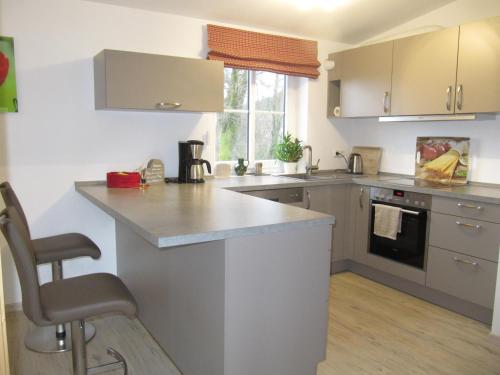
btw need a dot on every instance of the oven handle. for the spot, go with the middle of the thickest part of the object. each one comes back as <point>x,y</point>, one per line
<point>416,213</point>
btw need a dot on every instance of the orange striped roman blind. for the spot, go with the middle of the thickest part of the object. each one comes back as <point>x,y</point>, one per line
<point>256,51</point>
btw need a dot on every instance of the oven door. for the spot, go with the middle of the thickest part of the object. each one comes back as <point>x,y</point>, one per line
<point>410,245</point>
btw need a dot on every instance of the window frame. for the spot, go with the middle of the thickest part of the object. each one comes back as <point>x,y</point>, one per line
<point>251,112</point>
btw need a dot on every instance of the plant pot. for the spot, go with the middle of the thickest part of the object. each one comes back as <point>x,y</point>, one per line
<point>290,168</point>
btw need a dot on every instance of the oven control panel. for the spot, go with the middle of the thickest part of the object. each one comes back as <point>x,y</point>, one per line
<point>402,197</point>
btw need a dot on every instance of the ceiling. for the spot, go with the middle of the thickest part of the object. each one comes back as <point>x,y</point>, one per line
<point>346,21</point>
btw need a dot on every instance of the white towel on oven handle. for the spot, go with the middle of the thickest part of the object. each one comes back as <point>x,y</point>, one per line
<point>388,221</point>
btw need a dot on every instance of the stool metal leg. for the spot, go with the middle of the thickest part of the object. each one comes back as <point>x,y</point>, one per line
<point>57,274</point>
<point>44,340</point>
<point>79,351</point>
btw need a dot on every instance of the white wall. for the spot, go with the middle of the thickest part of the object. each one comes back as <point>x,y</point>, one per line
<point>58,137</point>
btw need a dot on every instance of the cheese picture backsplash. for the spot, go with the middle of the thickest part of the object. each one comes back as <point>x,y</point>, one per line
<point>442,159</point>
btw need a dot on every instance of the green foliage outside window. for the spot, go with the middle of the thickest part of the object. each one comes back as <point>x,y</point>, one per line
<point>266,110</point>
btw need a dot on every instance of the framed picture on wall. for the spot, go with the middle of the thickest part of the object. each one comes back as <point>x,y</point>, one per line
<point>443,159</point>
<point>8,89</point>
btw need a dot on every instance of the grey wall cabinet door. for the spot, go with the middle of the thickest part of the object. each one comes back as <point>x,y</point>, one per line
<point>365,82</point>
<point>330,199</point>
<point>478,74</point>
<point>424,73</point>
<point>140,81</point>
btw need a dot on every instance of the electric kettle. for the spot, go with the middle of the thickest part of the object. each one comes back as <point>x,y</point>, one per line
<point>355,164</point>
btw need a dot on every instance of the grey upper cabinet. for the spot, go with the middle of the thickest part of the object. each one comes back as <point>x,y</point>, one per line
<point>140,81</point>
<point>478,73</point>
<point>365,80</point>
<point>424,73</point>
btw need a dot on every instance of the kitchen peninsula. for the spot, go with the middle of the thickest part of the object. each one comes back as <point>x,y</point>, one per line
<point>226,283</point>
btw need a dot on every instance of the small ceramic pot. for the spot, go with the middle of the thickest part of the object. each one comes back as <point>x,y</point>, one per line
<point>290,168</point>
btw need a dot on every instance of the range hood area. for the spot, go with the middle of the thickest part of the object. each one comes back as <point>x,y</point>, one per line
<point>428,118</point>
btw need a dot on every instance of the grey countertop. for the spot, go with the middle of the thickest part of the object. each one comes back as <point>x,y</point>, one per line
<point>487,193</point>
<point>178,214</point>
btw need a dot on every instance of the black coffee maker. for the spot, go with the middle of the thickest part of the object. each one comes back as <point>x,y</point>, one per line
<point>191,163</point>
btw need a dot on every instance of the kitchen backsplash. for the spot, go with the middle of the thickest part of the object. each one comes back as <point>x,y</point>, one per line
<point>398,142</point>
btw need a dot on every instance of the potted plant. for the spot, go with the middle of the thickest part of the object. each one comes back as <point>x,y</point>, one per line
<point>289,151</point>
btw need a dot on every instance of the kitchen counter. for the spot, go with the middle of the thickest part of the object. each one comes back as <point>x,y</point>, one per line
<point>226,283</point>
<point>180,214</point>
<point>487,193</point>
<point>247,277</point>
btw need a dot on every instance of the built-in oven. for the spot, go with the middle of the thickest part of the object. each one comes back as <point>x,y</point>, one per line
<point>410,245</point>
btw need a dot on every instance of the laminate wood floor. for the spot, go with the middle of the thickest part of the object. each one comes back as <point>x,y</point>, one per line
<point>373,330</point>
<point>129,337</point>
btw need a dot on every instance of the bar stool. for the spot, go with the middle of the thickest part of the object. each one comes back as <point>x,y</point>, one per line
<point>68,300</point>
<point>54,250</point>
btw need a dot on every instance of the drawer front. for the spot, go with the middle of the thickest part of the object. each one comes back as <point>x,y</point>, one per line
<point>466,208</point>
<point>472,237</point>
<point>462,276</point>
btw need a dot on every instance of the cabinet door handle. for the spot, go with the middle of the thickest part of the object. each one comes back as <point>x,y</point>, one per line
<point>168,105</point>
<point>470,226</point>
<point>464,205</point>
<point>460,97</point>
<point>308,196</point>
<point>385,102</point>
<point>361,192</point>
<point>458,260</point>
<point>448,98</point>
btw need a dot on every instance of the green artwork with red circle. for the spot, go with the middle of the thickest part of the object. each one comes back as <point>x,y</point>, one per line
<point>8,91</point>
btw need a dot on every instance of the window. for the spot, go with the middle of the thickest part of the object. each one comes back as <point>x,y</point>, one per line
<point>254,115</point>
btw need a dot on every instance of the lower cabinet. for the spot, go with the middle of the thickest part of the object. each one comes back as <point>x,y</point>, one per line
<point>469,278</point>
<point>358,223</point>
<point>468,236</point>
<point>330,199</point>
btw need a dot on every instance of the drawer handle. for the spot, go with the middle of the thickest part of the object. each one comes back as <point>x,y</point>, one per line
<point>471,226</point>
<point>167,105</point>
<point>456,259</point>
<point>463,205</point>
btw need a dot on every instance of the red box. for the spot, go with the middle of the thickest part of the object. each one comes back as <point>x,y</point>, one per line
<point>123,179</point>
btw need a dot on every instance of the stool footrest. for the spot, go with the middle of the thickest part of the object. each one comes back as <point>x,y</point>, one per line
<point>119,363</point>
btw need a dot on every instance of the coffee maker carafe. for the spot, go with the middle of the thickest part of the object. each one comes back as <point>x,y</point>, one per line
<point>191,163</point>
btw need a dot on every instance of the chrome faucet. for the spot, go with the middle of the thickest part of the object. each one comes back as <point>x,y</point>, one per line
<point>309,165</point>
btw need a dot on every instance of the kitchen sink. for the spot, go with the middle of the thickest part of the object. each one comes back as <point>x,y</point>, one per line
<point>323,175</point>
